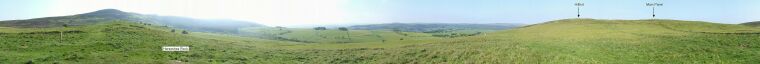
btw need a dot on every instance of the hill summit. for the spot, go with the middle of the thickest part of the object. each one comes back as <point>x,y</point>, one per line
<point>107,11</point>
<point>753,24</point>
<point>107,15</point>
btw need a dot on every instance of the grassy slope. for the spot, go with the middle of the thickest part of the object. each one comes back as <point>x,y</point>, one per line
<point>634,41</point>
<point>752,24</point>
<point>568,41</point>
<point>121,41</point>
<point>561,41</point>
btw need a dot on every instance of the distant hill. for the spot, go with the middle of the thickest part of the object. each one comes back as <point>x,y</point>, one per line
<point>427,27</point>
<point>440,29</point>
<point>753,24</point>
<point>202,25</point>
<point>307,35</point>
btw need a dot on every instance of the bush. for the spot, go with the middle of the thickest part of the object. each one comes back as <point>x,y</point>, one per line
<point>320,28</point>
<point>184,32</point>
<point>29,62</point>
<point>343,29</point>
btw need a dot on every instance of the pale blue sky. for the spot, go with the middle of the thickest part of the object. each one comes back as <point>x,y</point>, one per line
<point>332,12</point>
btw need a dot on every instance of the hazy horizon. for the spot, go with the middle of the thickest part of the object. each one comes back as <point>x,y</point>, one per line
<point>294,13</point>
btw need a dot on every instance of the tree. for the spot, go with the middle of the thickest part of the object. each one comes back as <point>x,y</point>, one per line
<point>172,30</point>
<point>279,27</point>
<point>347,33</point>
<point>318,29</point>
<point>29,62</point>
<point>184,32</point>
<point>342,28</point>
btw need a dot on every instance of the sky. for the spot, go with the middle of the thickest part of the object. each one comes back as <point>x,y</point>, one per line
<point>347,12</point>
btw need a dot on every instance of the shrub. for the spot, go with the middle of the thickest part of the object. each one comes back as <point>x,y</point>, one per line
<point>184,32</point>
<point>320,28</point>
<point>29,62</point>
<point>343,29</point>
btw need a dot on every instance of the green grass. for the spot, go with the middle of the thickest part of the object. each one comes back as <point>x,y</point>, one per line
<point>581,41</point>
<point>333,35</point>
<point>636,41</point>
<point>121,42</point>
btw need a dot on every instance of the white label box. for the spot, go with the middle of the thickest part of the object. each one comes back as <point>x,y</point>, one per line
<point>175,48</point>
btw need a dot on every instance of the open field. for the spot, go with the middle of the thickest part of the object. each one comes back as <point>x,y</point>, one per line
<point>333,35</point>
<point>586,41</point>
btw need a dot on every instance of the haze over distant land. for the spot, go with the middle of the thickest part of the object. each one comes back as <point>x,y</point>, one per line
<point>341,12</point>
